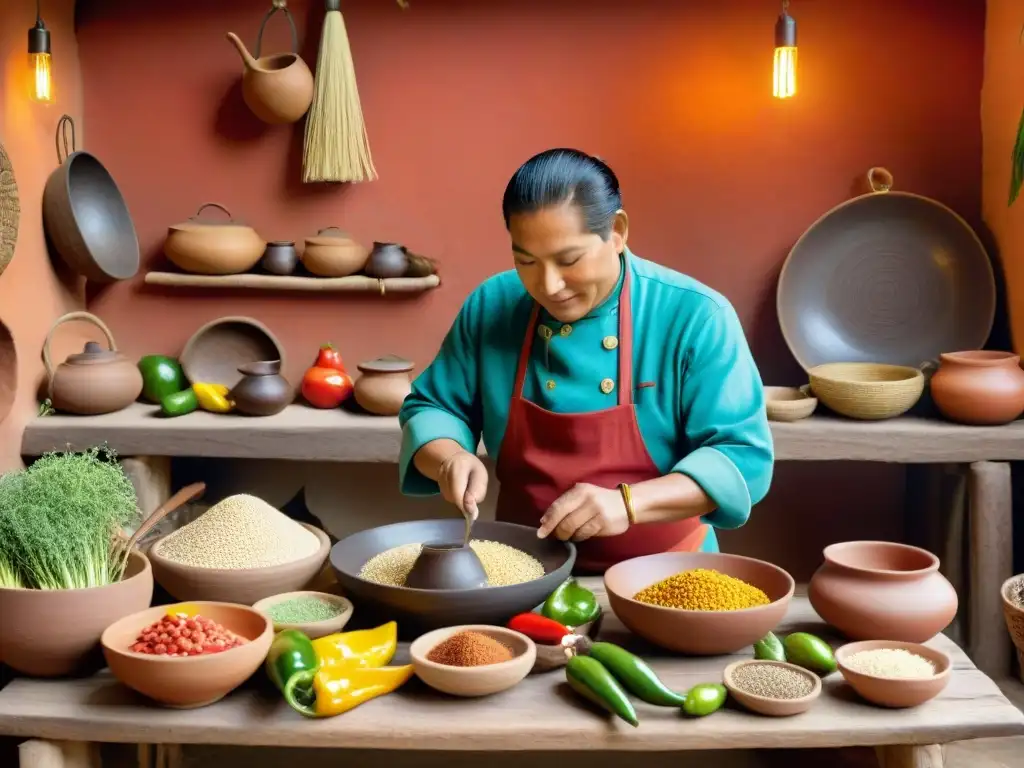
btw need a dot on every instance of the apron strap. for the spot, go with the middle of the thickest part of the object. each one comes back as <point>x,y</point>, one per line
<point>524,353</point>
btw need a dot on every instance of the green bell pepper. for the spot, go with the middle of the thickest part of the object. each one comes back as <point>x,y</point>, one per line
<point>161,376</point>
<point>291,652</point>
<point>571,604</point>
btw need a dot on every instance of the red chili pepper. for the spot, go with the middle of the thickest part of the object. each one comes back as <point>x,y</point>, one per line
<point>539,628</point>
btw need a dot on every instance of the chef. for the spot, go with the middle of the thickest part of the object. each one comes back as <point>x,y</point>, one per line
<point>619,397</point>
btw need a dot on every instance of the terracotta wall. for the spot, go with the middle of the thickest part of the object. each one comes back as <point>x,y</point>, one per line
<point>719,178</point>
<point>34,290</point>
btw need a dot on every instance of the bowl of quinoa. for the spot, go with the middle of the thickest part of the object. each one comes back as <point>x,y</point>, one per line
<point>894,674</point>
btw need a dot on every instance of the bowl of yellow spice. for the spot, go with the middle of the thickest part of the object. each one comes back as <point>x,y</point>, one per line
<point>699,603</point>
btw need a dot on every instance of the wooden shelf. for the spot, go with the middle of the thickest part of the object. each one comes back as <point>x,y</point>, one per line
<point>257,282</point>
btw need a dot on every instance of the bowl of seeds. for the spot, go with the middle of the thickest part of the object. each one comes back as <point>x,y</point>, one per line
<point>894,674</point>
<point>315,614</point>
<point>773,688</point>
<point>522,570</point>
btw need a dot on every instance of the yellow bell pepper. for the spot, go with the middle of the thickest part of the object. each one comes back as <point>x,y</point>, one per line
<point>366,648</point>
<point>338,689</point>
<point>212,397</point>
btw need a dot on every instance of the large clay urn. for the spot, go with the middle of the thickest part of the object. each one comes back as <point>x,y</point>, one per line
<point>979,387</point>
<point>881,590</point>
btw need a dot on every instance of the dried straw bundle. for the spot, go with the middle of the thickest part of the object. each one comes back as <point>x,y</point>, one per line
<point>336,145</point>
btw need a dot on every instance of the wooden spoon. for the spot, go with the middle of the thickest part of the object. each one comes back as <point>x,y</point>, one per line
<point>185,495</point>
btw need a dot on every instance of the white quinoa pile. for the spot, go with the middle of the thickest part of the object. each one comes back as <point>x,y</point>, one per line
<point>242,531</point>
<point>892,663</point>
<point>503,564</point>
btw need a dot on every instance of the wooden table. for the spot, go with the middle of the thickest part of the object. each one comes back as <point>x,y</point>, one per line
<point>305,434</point>
<point>541,714</point>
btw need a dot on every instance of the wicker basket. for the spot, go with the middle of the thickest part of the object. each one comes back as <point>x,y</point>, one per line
<point>789,403</point>
<point>1014,619</point>
<point>867,390</point>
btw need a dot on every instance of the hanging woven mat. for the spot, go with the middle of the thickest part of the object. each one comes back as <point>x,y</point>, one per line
<point>10,210</point>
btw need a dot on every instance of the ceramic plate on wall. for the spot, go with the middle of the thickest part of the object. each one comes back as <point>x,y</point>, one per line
<point>10,210</point>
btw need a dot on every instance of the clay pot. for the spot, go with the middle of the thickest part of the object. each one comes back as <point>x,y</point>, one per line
<point>94,381</point>
<point>216,351</point>
<point>332,253</point>
<point>263,391</point>
<point>447,566</point>
<point>280,258</point>
<point>881,590</point>
<point>387,260</point>
<point>209,247</point>
<point>979,387</point>
<point>383,385</point>
<point>28,642</point>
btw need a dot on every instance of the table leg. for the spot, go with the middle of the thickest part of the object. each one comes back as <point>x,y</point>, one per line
<point>991,563</point>
<point>58,754</point>
<point>909,756</point>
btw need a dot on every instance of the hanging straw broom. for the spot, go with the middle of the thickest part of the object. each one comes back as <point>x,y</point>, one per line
<point>336,146</point>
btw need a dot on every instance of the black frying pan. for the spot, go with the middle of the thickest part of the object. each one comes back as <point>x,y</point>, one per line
<point>85,216</point>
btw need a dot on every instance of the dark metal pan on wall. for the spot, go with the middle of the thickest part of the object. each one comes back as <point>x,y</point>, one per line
<point>85,215</point>
<point>887,277</point>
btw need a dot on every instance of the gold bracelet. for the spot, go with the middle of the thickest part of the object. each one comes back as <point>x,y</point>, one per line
<point>627,499</point>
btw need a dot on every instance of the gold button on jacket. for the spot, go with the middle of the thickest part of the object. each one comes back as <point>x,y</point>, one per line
<point>609,342</point>
<point>607,385</point>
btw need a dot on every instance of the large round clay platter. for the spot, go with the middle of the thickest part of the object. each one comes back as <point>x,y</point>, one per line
<point>10,210</point>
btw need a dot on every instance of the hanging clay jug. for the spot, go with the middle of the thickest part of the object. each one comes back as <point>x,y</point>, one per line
<point>263,391</point>
<point>882,590</point>
<point>383,385</point>
<point>979,387</point>
<point>95,380</point>
<point>278,88</point>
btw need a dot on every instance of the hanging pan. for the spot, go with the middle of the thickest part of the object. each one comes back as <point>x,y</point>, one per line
<point>85,216</point>
<point>887,277</point>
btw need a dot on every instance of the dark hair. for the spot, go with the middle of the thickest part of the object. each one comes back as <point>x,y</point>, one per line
<point>560,176</point>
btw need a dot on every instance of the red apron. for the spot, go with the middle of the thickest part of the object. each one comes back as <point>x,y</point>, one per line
<point>544,454</point>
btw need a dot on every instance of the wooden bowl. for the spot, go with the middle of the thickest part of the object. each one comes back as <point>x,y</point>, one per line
<point>312,629</point>
<point>187,682</point>
<point>766,706</point>
<point>700,633</point>
<point>28,642</point>
<point>896,693</point>
<point>473,681</point>
<point>237,585</point>
<point>215,352</point>
<point>869,391</point>
<point>789,403</point>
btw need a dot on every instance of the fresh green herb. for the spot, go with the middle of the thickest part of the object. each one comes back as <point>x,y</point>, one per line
<point>61,522</point>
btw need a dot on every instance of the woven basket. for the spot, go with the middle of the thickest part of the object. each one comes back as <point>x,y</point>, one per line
<point>789,403</point>
<point>867,390</point>
<point>1014,619</point>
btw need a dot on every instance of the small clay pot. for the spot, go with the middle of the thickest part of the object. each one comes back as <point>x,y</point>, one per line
<point>881,590</point>
<point>447,566</point>
<point>387,260</point>
<point>383,385</point>
<point>263,391</point>
<point>332,253</point>
<point>280,257</point>
<point>979,387</point>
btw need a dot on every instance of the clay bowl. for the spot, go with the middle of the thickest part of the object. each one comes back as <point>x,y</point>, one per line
<point>447,566</point>
<point>216,351</point>
<point>312,629</point>
<point>1014,616</point>
<point>767,706</point>
<point>28,642</point>
<point>700,633</point>
<point>187,682</point>
<point>473,681</point>
<point>237,585</point>
<point>421,610</point>
<point>897,693</point>
<point>789,403</point>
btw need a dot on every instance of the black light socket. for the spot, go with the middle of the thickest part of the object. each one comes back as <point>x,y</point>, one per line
<point>785,31</point>
<point>39,38</point>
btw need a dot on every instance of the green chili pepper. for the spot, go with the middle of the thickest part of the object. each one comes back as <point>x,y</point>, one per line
<point>769,648</point>
<point>292,652</point>
<point>180,403</point>
<point>592,681</point>
<point>635,675</point>
<point>571,604</point>
<point>704,699</point>
<point>161,376</point>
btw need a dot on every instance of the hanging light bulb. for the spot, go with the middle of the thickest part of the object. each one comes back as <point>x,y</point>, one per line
<point>784,69</point>
<point>39,61</point>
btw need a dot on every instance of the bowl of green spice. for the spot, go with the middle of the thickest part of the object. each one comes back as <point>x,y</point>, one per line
<point>315,614</point>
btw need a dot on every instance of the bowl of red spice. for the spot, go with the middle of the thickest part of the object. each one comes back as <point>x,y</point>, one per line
<point>190,654</point>
<point>472,659</point>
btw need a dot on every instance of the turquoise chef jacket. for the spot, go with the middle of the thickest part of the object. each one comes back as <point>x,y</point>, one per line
<point>698,397</point>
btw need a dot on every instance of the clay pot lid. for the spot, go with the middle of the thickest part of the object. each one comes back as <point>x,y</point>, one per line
<point>92,354</point>
<point>330,236</point>
<point>261,368</point>
<point>281,243</point>
<point>200,220</point>
<point>386,364</point>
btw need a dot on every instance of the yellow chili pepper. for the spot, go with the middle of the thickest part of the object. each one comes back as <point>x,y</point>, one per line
<point>341,688</point>
<point>212,397</point>
<point>361,648</point>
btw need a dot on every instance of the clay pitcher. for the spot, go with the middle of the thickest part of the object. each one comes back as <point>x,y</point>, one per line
<point>95,380</point>
<point>277,88</point>
<point>263,391</point>
<point>979,387</point>
<point>882,590</point>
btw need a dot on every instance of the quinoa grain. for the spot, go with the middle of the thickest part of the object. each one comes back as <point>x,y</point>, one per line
<point>503,564</point>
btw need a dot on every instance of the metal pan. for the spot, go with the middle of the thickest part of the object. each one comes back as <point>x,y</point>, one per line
<point>85,216</point>
<point>887,277</point>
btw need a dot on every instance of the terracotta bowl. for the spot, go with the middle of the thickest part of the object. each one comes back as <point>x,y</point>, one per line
<point>216,351</point>
<point>187,682</point>
<point>51,633</point>
<point>237,585</point>
<point>789,403</point>
<point>473,681</point>
<point>766,706</point>
<point>892,692</point>
<point>700,633</point>
<point>312,629</point>
<point>1014,617</point>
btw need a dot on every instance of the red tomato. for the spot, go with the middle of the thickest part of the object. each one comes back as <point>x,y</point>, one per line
<point>329,357</point>
<point>326,387</point>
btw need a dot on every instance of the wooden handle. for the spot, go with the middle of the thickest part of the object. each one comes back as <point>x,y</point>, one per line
<point>328,229</point>
<point>277,5</point>
<point>183,496</point>
<point>79,315</point>
<point>212,205</point>
<point>880,179</point>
